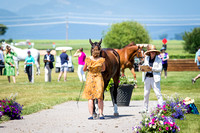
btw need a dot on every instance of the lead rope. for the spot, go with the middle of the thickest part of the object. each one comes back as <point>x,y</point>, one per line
<point>81,91</point>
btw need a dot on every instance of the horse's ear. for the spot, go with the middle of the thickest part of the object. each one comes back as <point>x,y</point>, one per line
<point>90,41</point>
<point>139,47</point>
<point>100,42</point>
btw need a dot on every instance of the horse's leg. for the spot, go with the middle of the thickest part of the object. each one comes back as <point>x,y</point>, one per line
<point>134,75</point>
<point>116,84</point>
<point>38,67</point>
<point>95,107</point>
<point>17,66</point>
<point>123,70</point>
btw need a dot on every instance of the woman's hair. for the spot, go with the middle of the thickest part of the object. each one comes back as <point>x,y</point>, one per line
<point>7,49</point>
<point>63,50</point>
<point>81,49</point>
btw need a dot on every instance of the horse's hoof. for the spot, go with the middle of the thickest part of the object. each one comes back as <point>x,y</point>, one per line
<point>116,114</point>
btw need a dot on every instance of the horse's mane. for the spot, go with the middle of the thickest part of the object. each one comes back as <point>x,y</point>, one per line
<point>130,44</point>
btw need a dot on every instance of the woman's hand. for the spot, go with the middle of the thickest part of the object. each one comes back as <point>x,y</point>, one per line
<point>103,67</point>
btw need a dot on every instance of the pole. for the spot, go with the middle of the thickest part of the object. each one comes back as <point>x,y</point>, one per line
<point>67,30</point>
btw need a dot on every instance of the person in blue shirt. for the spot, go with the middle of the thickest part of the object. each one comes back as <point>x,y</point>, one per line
<point>198,64</point>
<point>29,61</point>
<point>64,65</point>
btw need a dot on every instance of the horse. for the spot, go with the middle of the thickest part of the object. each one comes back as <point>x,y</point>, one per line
<point>127,55</point>
<point>112,63</point>
<point>22,54</point>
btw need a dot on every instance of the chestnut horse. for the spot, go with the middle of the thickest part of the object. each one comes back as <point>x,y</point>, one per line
<point>112,63</point>
<point>127,55</point>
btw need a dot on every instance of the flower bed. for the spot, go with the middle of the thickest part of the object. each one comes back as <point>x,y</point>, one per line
<point>11,109</point>
<point>162,118</point>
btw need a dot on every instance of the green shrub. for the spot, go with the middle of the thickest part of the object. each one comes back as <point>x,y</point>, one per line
<point>192,40</point>
<point>121,34</point>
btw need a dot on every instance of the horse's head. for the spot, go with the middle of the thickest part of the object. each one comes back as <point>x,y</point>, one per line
<point>95,47</point>
<point>140,53</point>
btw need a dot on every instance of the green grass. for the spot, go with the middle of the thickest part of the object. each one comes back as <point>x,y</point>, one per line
<point>41,95</point>
<point>173,46</point>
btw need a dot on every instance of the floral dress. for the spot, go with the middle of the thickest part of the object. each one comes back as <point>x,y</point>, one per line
<point>94,86</point>
<point>9,70</point>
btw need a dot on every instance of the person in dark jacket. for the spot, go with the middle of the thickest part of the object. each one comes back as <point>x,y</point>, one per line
<point>48,60</point>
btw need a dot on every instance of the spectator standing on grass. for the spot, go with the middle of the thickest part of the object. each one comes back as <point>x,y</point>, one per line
<point>1,60</point>
<point>197,60</point>
<point>29,61</point>
<point>152,76</point>
<point>64,65</point>
<point>9,64</point>
<point>81,62</point>
<point>48,65</point>
<point>94,86</point>
<point>164,56</point>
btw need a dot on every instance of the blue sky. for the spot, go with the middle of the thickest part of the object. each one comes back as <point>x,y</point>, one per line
<point>37,16</point>
<point>134,7</point>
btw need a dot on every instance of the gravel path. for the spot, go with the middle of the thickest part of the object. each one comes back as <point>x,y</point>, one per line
<point>68,118</point>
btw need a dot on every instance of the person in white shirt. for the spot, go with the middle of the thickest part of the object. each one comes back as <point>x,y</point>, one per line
<point>152,76</point>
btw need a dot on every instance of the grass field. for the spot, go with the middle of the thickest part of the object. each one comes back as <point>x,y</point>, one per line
<point>41,95</point>
<point>173,46</point>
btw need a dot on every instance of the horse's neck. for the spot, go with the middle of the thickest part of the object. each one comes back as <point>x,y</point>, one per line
<point>132,53</point>
<point>17,50</point>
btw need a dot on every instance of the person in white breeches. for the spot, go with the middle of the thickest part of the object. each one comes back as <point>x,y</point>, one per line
<point>48,60</point>
<point>81,62</point>
<point>152,76</point>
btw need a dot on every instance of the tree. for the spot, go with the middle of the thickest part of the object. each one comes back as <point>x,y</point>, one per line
<point>121,34</point>
<point>3,29</point>
<point>192,40</point>
<point>163,36</point>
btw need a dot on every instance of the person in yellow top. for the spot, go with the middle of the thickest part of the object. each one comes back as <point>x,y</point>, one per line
<point>94,87</point>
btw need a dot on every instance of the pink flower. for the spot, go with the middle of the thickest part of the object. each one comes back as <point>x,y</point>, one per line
<point>159,129</point>
<point>153,119</point>
<point>162,116</point>
<point>167,128</point>
<point>164,106</point>
<point>171,125</point>
<point>119,81</point>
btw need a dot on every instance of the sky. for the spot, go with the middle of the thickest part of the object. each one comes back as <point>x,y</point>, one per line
<point>159,16</point>
<point>141,7</point>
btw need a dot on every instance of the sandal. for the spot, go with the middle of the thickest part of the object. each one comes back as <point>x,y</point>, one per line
<point>90,118</point>
<point>101,117</point>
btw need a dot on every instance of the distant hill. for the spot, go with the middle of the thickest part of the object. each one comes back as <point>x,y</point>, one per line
<point>6,13</point>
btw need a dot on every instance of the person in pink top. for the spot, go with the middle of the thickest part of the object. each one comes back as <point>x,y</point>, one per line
<point>81,62</point>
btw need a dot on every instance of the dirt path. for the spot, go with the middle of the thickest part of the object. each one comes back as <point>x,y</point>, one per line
<point>68,118</point>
